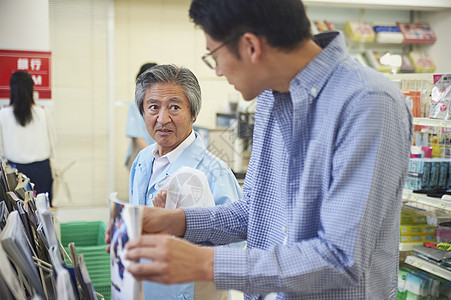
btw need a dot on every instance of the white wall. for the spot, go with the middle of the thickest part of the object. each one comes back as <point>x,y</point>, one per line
<point>24,25</point>
<point>78,40</point>
<point>440,51</point>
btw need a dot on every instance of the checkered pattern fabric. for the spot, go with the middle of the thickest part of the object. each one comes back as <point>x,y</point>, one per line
<point>322,196</point>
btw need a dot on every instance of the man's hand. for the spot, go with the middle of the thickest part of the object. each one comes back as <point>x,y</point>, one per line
<point>160,220</point>
<point>173,260</point>
<point>160,199</point>
<point>157,220</point>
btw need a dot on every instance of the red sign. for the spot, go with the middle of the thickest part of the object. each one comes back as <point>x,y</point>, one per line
<point>36,63</point>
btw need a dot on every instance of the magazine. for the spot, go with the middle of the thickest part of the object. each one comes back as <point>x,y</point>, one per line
<point>16,246</point>
<point>126,223</point>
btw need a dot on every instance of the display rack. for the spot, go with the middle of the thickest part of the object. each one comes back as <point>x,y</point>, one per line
<point>428,267</point>
<point>413,81</point>
<point>403,247</point>
<point>429,201</point>
<point>431,122</point>
<point>420,5</point>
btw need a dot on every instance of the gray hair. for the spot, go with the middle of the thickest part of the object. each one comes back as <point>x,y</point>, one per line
<point>180,76</point>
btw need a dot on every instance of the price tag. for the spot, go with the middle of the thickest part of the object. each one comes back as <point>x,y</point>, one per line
<point>417,264</point>
<point>443,205</point>
<point>443,124</point>
<point>416,121</point>
<point>413,262</point>
<point>414,198</point>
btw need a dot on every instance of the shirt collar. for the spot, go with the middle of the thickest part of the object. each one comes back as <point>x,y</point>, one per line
<point>315,75</point>
<point>172,156</point>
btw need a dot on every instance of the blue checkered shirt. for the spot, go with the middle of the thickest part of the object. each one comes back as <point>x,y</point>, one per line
<point>322,196</point>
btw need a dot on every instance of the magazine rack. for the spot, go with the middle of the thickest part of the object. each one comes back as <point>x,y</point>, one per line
<point>31,252</point>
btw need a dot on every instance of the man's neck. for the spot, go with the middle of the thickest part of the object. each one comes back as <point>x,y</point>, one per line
<point>285,66</point>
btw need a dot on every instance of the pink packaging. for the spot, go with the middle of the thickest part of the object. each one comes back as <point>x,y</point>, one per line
<point>443,235</point>
<point>427,151</point>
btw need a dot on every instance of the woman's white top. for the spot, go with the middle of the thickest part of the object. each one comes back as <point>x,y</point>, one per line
<point>27,144</point>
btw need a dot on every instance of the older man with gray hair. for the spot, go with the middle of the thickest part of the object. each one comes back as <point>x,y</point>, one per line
<point>169,99</point>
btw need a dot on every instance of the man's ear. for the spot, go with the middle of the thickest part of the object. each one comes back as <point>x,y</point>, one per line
<point>252,45</point>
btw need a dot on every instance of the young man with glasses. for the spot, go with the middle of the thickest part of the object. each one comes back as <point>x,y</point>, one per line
<point>322,196</point>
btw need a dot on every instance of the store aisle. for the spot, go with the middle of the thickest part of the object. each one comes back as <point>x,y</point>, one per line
<point>98,213</point>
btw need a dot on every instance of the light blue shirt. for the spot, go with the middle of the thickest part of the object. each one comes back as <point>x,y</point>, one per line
<point>322,195</point>
<point>136,128</point>
<point>223,186</point>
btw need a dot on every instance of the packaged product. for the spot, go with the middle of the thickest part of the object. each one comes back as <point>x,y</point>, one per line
<point>388,33</point>
<point>406,65</point>
<point>417,229</point>
<point>413,100</point>
<point>417,33</point>
<point>374,59</point>
<point>320,26</point>
<point>422,62</point>
<point>359,32</point>
<point>441,97</point>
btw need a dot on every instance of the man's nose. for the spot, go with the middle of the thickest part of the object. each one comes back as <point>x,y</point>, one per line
<point>163,116</point>
<point>218,71</point>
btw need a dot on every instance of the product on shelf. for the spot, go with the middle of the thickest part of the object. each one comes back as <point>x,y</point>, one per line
<point>413,100</point>
<point>376,60</point>
<point>411,219</point>
<point>441,97</point>
<point>427,174</point>
<point>417,33</point>
<point>414,228</point>
<point>359,31</point>
<point>422,62</point>
<point>415,284</point>
<point>443,235</point>
<point>418,229</point>
<point>323,25</point>
<point>406,65</point>
<point>388,34</point>
<point>417,238</point>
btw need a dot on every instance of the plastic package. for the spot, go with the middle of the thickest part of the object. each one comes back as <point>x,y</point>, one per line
<point>417,33</point>
<point>441,97</point>
<point>389,34</point>
<point>422,62</point>
<point>359,32</point>
<point>187,187</point>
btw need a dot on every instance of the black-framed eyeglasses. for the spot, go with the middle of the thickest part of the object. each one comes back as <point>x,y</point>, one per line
<point>208,58</point>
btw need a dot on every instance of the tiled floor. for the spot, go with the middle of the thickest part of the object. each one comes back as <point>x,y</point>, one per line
<point>98,213</point>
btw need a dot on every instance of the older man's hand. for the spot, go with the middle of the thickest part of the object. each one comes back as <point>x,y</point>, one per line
<point>173,260</point>
<point>160,199</point>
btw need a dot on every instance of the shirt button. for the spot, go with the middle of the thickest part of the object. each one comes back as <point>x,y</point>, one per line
<point>313,91</point>
<point>284,228</point>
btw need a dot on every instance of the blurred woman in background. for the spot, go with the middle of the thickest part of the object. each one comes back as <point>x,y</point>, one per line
<point>27,134</point>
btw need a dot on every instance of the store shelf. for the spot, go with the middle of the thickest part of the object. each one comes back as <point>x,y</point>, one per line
<point>420,198</point>
<point>420,5</point>
<point>408,246</point>
<point>431,122</point>
<point>428,267</point>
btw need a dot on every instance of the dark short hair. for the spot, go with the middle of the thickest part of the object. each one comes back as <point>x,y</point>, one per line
<point>180,76</point>
<point>283,23</point>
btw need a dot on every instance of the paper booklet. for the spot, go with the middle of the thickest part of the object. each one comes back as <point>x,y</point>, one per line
<point>15,244</point>
<point>9,277</point>
<point>126,224</point>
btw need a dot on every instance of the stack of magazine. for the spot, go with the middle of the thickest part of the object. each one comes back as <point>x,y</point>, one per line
<point>32,264</point>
